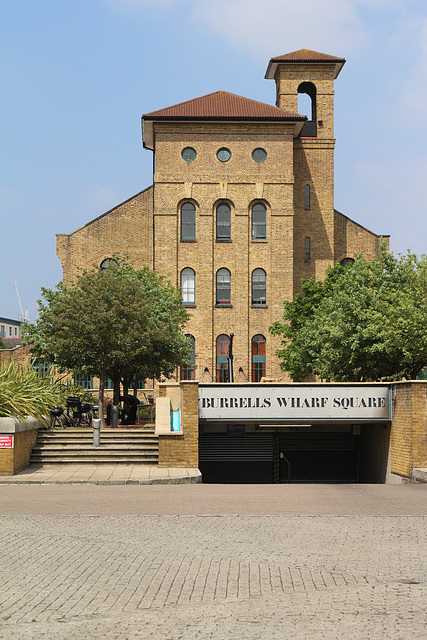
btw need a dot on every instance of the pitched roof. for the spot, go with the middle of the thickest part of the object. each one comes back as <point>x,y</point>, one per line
<point>219,106</point>
<point>303,56</point>
<point>222,105</point>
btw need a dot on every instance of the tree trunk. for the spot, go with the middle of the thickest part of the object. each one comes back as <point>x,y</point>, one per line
<point>101,397</point>
<point>116,392</point>
<point>125,387</point>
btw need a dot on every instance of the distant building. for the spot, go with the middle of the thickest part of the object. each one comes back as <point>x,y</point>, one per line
<point>10,332</point>
<point>241,208</point>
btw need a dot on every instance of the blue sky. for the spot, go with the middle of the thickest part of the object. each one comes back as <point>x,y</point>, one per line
<point>77,76</point>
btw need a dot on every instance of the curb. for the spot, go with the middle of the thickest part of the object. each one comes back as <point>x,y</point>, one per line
<point>179,480</point>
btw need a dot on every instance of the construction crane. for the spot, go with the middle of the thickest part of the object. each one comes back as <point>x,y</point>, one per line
<point>23,317</point>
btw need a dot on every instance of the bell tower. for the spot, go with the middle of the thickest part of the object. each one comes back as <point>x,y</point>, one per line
<point>311,73</point>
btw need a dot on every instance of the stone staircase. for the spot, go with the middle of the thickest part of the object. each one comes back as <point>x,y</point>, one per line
<point>75,446</point>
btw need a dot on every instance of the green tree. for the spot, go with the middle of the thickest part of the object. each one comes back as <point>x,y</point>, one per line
<point>113,322</point>
<point>365,321</point>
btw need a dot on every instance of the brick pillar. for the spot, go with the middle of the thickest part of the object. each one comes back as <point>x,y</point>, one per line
<point>408,443</point>
<point>182,449</point>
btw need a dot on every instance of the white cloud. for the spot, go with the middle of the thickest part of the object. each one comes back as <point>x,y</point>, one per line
<point>273,27</point>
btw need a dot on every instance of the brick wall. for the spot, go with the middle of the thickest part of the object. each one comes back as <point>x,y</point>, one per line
<point>18,458</point>
<point>125,230</point>
<point>408,440</point>
<point>351,238</point>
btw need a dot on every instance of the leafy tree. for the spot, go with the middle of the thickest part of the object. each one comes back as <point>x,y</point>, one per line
<point>365,321</point>
<point>113,322</point>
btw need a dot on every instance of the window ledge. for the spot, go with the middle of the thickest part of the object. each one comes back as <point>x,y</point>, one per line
<point>223,240</point>
<point>188,240</point>
<point>227,305</point>
<point>259,240</point>
<point>259,306</point>
<point>188,304</point>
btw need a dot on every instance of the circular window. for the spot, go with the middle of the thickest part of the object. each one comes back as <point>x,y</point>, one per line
<point>223,154</point>
<point>188,154</point>
<point>345,261</point>
<point>108,262</point>
<point>259,155</point>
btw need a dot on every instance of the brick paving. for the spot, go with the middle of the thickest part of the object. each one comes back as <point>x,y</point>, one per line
<point>102,474</point>
<point>174,575</point>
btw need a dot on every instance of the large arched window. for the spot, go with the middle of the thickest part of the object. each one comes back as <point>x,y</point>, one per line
<point>258,358</point>
<point>259,221</point>
<point>188,221</point>
<point>223,286</point>
<point>222,348</point>
<point>259,287</point>
<point>307,250</point>
<point>188,286</point>
<point>223,222</point>
<point>188,372</point>
<point>307,198</point>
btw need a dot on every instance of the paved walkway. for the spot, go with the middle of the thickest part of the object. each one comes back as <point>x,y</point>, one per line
<point>248,564</point>
<point>102,474</point>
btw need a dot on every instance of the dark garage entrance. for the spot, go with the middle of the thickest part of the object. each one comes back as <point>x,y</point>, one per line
<point>296,456</point>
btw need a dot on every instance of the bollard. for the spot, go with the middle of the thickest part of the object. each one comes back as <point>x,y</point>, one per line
<point>96,424</point>
<point>114,416</point>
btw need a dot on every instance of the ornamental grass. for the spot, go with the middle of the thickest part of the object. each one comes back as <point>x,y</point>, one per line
<point>24,393</point>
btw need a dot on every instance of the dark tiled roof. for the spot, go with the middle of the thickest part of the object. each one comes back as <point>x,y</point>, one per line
<point>306,55</point>
<point>303,56</point>
<point>222,105</point>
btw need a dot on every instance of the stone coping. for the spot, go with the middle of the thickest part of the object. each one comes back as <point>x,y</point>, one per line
<point>419,475</point>
<point>12,425</point>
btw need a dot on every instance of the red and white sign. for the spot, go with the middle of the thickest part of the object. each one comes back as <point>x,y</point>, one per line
<point>6,442</point>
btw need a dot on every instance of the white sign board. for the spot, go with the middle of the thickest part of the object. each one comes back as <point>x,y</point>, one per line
<point>294,402</point>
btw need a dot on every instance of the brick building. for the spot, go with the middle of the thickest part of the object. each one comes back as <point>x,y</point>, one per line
<point>240,209</point>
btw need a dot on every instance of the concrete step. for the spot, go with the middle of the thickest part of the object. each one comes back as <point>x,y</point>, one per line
<point>95,460</point>
<point>124,446</point>
<point>103,439</point>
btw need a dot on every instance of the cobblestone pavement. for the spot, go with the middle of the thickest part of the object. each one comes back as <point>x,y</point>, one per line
<point>218,577</point>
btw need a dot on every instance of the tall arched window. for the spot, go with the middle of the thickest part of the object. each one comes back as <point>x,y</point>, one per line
<point>188,221</point>
<point>223,286</point>
<point>307,201</point>
<point>222,347</point>
<point>258,358</point>
<point>223,222</point>
<point>188,286</point>
<point>188,372</point>
<point>307,250</point>
<point>259,221</point>
<point>259,287</point>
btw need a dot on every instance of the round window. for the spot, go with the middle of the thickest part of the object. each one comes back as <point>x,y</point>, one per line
<point>223,154</point>
<point>188,154</point>
<point>259,155</point>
